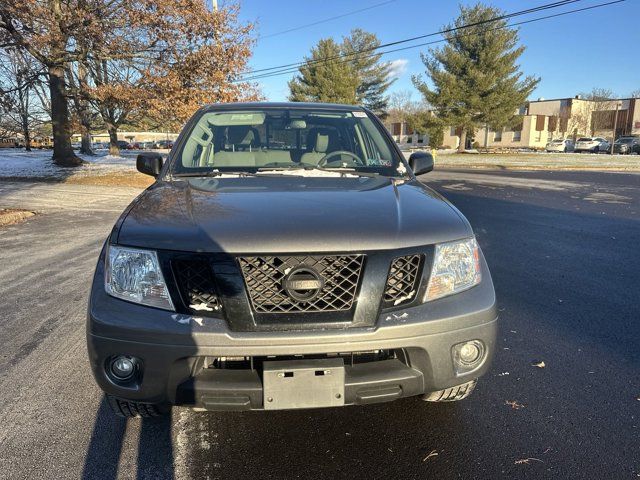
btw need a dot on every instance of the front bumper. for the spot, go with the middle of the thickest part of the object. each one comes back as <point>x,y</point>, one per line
<point>171,347</point>
<point>555,148</point>
<point>587,148</point>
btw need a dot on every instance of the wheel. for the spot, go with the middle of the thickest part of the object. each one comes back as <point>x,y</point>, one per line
<point>323,161</point>
<point>126,409</point>
<point>453,394</point>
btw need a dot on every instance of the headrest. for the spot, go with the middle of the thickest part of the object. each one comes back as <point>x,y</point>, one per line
<point>321,140</point>
<point>241,135</point>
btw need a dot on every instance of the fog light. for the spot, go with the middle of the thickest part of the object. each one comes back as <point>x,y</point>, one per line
<point>468,355</point>
<point>123,367</point>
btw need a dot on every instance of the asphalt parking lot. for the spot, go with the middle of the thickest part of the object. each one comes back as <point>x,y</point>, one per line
<point>562,399</point>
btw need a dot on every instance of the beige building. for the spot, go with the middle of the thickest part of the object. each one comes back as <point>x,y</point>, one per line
<point>540,121</point>
<point>129,136</point>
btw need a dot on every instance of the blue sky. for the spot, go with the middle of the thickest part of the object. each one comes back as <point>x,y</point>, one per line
<point>596,48</point>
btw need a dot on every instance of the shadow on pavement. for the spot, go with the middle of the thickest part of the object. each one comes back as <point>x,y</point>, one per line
<point>155,450</point>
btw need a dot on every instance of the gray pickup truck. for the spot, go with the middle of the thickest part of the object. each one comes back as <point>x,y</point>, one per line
<point>287,257</point>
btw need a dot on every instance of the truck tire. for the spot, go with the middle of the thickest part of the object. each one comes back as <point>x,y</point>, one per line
<point>126,409</point>
<point>453,394</point>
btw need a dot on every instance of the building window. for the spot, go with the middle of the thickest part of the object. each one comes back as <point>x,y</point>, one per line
<point>517,135</point>
<point>498,136</point>
<point>538,136</point>
<point>453,132</point>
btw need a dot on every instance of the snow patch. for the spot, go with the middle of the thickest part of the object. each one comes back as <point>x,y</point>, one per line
<point>18,163</point>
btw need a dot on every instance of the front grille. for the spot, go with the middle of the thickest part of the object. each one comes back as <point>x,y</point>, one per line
<point>197,286</point>
<point>403,280</point>
<point>264,277</point>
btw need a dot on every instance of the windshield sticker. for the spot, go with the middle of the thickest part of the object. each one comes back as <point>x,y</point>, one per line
<point>359,114</point>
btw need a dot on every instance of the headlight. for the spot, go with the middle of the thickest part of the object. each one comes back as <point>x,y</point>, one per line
<point>134,275</point>
<point>456,267</point>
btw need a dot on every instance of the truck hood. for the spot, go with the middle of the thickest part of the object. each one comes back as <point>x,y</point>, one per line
<point>289,214</point>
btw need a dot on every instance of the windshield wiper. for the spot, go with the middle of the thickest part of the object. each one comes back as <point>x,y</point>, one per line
<point>348,170</point>
<point>310,168</point>
<point>215,173</point>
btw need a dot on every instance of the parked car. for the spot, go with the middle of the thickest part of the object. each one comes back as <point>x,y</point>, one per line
<point>627,145</point>
<point>592,144</point>
<point>164,144</point>
<point>123,144</point>
<point>560,145</point>
<point>133,146</point>
<point>322,274</point>
<point>76,145</point>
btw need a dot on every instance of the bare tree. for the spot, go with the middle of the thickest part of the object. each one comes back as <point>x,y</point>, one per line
<point>190,55</point>
<point>401,105</point>
<point>21,110</point>
<point>590,112</point>
<point>84,113</point>
<point>45,30</point>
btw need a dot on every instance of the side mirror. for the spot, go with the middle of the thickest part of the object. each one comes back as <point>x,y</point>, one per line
<point>421,162</point>
<point>149,163</point>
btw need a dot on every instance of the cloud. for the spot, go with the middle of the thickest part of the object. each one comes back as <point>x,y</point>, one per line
<point>398,67</point>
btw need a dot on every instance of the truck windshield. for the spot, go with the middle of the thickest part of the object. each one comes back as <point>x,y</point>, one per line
<point>254,140</point>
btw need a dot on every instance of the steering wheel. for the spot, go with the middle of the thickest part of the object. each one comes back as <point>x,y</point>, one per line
<point>324,160</point>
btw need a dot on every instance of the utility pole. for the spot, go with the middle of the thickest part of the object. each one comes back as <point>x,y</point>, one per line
<point>615,125</point>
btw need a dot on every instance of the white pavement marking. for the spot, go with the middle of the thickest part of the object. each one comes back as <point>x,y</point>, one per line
<point>41,196</point>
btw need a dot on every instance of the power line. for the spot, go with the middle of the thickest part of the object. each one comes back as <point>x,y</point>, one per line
<point>329,19</point>
<point>419,37</point>
<point>546,17</point>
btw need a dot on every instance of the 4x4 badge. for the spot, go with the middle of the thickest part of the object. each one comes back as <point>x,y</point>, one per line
<point>303,284</point>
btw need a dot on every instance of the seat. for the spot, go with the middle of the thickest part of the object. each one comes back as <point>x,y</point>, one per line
<point>240,143</point>
<point>242,138</point>
<point>320,141</point>
<point>234,159</point>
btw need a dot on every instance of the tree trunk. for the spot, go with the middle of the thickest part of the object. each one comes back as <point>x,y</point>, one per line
<point>25,132</point>
<point>114,149</point>
<point>82,107</point>
<point>23,106</point>
<point>463,140</point>
<point>63,155</point>
<point>85,142</point>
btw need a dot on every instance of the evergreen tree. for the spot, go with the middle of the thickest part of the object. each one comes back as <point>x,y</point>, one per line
<point>424,121</point>
<point>337,73</point>
<point>325,78</point>
<point>475,78</point>
<point>373,74</point>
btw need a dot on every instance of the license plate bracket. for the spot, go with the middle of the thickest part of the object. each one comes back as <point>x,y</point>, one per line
<point>291,384</point>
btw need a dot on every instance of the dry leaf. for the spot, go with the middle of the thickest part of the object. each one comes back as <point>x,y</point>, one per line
<point>514,404</point>
<point>539,365</point>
